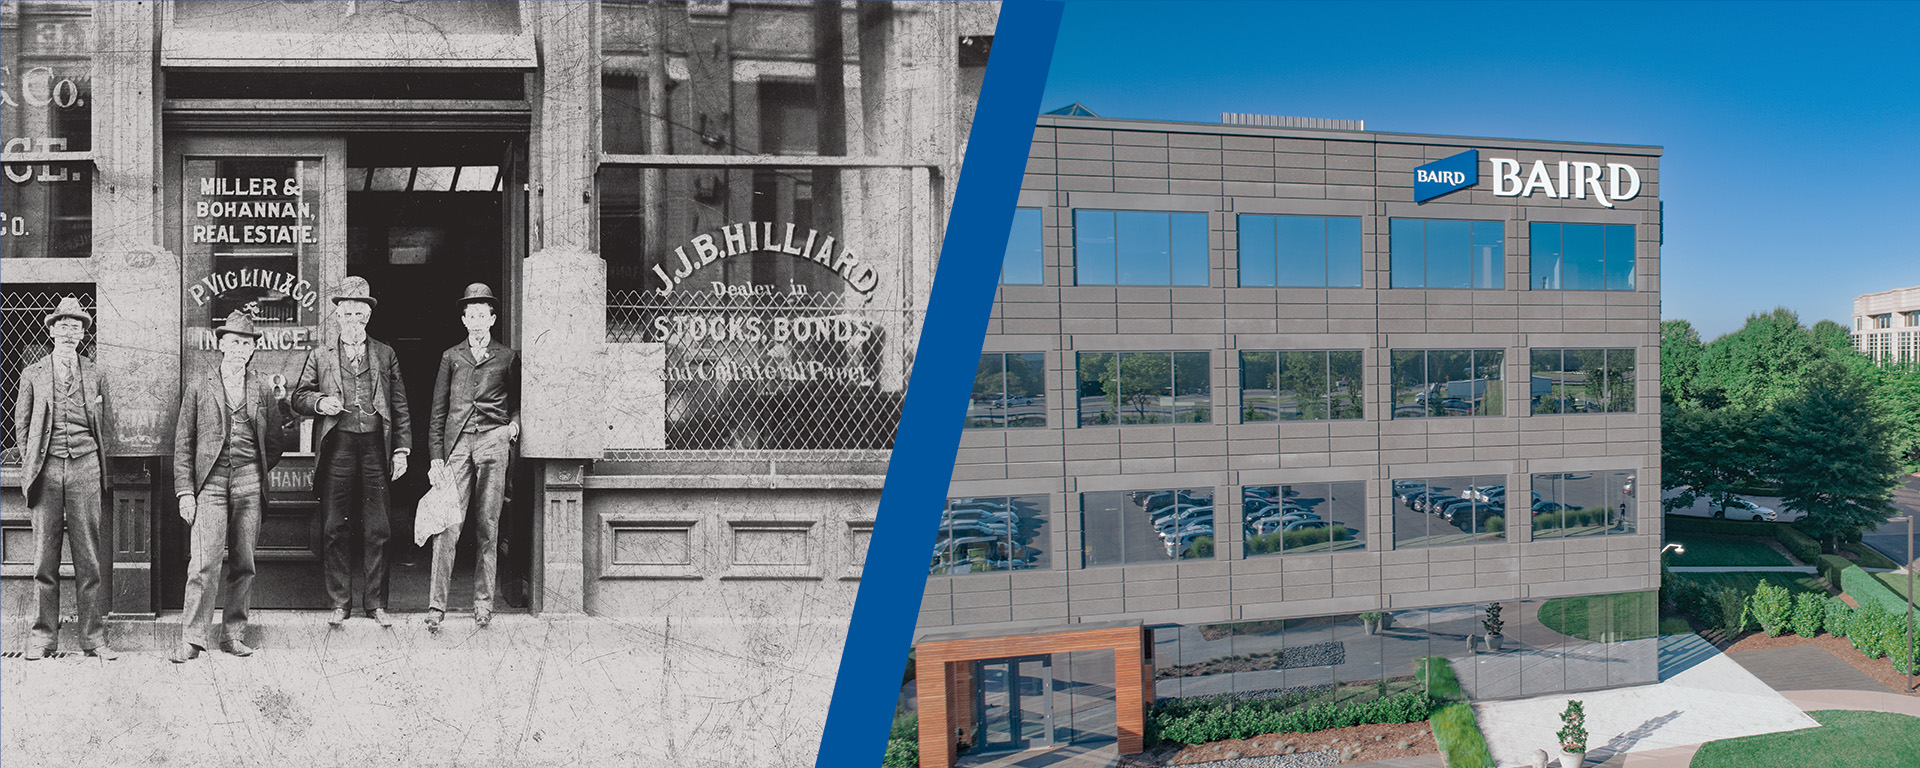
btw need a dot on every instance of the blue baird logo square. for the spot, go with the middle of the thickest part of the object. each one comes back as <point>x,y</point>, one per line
<point>1446,175</point>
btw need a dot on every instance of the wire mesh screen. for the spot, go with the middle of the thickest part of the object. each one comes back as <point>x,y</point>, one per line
<point>23,340</point>
<point>749,374</point>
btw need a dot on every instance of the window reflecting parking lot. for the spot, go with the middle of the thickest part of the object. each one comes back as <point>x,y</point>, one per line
<point>992,534</point>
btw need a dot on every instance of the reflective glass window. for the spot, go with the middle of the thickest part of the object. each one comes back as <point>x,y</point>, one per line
<point>1154,526</point>
<point>988,534</point>
<point>1443,511</point>
<point>1022,265</point>
<point>1581,257</point>
<point>1447,382</point>
<point>47,53</point>
<point>1300,251</point>
<point>1313,385</point>
<point>1584,504</point>
<point>1304,517</point>
<point>1582,380</point>
<point>1009,390</point>
<point>1436,253</point>
<point>1140,248</point>
<point>1144,388</point>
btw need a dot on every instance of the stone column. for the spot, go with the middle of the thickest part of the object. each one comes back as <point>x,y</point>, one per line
<point>138,288</point>
<point>563,320</point>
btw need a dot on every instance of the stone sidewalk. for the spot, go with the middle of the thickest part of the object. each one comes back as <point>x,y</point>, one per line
<point>525,692</point>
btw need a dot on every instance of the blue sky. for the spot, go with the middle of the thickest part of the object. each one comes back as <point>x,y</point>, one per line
<point>1791,131</point>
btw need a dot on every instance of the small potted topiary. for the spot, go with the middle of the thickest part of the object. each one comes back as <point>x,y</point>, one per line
<point>1372,620</point>
<point>1493,624</point>
<point>1573,735</point>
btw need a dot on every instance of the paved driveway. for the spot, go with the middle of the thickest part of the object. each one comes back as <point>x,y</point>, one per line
<point>1891,539</point>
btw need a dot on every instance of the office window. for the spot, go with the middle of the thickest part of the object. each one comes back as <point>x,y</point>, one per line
<point>1433,253</point>
<point>1582,257</point>
<point>1913,318</point>
<point>1883,321</point>
<point>1300,251</point>
<point>1314,385</point>
<point>1139,248</point>
<point>1144,388</point>
<point>1119,527</point>
<point>992,534</point>
<point>1583,504</point>
<point>1447,382</point>
<point>1022,265</point>
<point>1582,381</point>
<point>1442,511</point>
<point>1009,390</point>
<point>1304,517</point>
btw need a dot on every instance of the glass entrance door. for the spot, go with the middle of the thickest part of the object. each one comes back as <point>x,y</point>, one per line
<point>1014,703</point>
<point>260,225</point>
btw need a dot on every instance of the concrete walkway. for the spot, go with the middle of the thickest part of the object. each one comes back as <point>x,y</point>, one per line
<point>1806,667</point>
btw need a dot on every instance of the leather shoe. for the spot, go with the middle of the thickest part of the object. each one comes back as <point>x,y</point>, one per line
<point>434,617</point>
<point>103,652</point>
<point>37,652</point>
<point>185,652</point>
<point>338,617</point>
<point>482,617</point>
<point>237,648</point>
<point>381,618</point>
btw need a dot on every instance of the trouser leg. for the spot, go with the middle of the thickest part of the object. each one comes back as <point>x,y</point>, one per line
<point>247,499</point>
<point>207,540</point>
<point>83,513</point>
<point>489,492</point>
<point>375,528</point>
<point>338,477</point>
<point>49,528</point>
<point>445,543</point>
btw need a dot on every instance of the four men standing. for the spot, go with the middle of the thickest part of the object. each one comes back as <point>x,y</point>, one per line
<point>354,387</point>
<point>233,427</point>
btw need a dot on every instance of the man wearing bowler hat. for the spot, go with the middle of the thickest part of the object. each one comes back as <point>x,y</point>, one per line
<point>353,386</point>
<point>231,432</point>
<point>58,414</point>
<point>476,418</point>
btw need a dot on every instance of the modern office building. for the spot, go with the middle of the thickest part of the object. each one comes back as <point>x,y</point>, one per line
<point>1278,407</point>
<point>713,227</point>
<point>1886,325</point>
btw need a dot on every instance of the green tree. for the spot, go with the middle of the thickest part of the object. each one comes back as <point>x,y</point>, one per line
<point>1763,363</point>
<point>1680,352</point>
<point>1707,454</point>
<point>1833,452</point>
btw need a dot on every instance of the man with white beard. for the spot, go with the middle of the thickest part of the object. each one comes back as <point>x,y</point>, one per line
<point>353,387</point>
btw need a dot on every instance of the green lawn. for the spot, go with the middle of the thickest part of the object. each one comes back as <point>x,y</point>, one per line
<point>1896,580</point>
<point>1603,618</point>
<point>1707,549</point>
<point>1845,739</point>
<point>1745,581</point>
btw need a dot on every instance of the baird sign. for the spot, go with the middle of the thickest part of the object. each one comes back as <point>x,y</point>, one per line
<point>1572,179</point>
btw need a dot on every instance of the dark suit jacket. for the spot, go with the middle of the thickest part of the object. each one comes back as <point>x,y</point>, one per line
<point>321,376</point>
<point>200,434</point>
<point>491,387</point>
<point>33,415</point>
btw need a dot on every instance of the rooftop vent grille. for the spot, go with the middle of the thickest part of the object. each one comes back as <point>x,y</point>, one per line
<point>1279,121</point>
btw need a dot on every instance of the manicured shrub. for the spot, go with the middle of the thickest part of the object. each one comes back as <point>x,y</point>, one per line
<point>1458,733</point>
<point>1772,606</point>
<point>1830,567</point>
<point>1801,545</point>
<point>903,743</point>
<point>1221,717</point>
<point>1865,589</point>
<point>1872,630</point>
<point>1496,524</point>
<point>1688,524</point>
<point>1868,557</point>
<point>1729,607</point>
<point>1808,614</point>
<point>1900,649</point>
<point>1280,541</point>
<point>1839,618</point>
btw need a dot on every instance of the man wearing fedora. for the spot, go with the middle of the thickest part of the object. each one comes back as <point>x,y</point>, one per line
<point>476,418</point>
<point>232,429</point>
<point>58,414</point>
<point>353,386</point>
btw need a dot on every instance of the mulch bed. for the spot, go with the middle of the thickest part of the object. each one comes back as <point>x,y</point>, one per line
<point>1375,742</point>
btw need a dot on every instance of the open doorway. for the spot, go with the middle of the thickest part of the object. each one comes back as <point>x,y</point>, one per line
<point>428,214</point>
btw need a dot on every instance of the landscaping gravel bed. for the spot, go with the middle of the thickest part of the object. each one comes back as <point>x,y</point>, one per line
<point>1296,760</point>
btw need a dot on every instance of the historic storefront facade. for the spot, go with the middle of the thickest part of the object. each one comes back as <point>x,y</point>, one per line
<point>713,226</point>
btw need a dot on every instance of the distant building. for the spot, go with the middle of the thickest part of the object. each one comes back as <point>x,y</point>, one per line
<point>1886,325</point>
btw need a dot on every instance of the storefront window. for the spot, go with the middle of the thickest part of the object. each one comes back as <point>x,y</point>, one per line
<point>1315,385</point>
<point>1147,526</point>
<point>990,534</point>
<point>46,112</point>
<point>250,242</point>
<point>1144,388</point>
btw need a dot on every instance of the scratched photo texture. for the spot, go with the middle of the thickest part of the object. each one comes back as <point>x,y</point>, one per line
<point>710,228</point>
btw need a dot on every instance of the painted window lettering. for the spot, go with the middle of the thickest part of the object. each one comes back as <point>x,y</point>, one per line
<point>1574,179</point>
